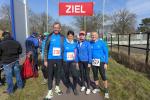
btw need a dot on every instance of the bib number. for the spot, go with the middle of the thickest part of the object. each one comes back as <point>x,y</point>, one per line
<point>56,51</point>
<point>96,62</point>
<point>70,55</point>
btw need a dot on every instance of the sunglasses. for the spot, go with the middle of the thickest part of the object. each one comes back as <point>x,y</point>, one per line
<point>81,34</point>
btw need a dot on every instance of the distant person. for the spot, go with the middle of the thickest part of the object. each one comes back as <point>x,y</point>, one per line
<point>44,68</point>
<point>99,62</point>
<point>53,59</point>
<point>32,45</point>
<point>84,59</point>
<point>9,54</point>
<point>1,32</point>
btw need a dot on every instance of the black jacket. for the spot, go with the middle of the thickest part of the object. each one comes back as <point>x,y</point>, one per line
<point>9,51</point>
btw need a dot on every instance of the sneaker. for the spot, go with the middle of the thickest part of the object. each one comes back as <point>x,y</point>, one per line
<point>58,91</point>
<point>106,96</point>
<point>49,95</point>
<point>76,92</point>
<point>96,91</point>
<point>44,82</point>
<point>88,91</point>
<point>83,88</point>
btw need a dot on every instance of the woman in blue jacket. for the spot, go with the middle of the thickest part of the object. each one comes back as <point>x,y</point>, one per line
<point>69,64</point>
<point>99,62</point>
<point>84,59</point>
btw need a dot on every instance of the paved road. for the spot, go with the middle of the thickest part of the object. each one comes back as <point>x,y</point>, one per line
<point>81,96</point>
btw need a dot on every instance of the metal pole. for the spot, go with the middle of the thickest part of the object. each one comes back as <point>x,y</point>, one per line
<point>12,18</point>
<point>26,18</point>
<point>47,14</point>
<point>84,23</point>
<point>118,43</point>
<point>147,48</point>
<point>103,14</point>
<point>111,42</point>
<point>129,44</point>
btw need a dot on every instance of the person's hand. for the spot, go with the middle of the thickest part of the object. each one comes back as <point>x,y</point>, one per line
<point>105,66</point>
<point>89,65</point>
<point>46,63</point>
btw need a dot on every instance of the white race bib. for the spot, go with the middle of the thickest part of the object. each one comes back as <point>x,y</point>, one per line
<point>56,51</point>
<point>70,55</point>
<point>96,62</point>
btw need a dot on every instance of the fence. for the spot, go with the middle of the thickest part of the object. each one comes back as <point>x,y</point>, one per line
<point>121,40</point>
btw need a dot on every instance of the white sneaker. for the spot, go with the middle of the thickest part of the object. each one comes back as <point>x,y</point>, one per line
<point>106,96</point>
<point>96,91</point>
<point>88,91</point>
<point>83,88</point>
<point>49,95</point>
<point>58,91</point>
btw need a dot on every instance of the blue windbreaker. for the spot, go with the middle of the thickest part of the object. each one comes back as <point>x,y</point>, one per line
<point>43,48</point>
<point>84,51</point>
<point>55,49</point>
<point>31,42</point>
<point>70,51</point>
<point>99,50</point>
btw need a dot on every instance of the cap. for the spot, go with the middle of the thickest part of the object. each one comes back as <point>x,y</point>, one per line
<point>82,33</point>
<point>46,33</point>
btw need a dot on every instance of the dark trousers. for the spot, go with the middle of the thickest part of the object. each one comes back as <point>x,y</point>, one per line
<point>54,71</point>
<point>35,60</point>
<point>44,70</point>
<point>84,73</point>
<point>0,77</point>
<point>101,70</point>
<point>70,70</point>
<point>0,73</point>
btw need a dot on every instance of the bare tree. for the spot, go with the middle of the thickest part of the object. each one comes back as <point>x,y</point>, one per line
<point>38,22</point>
<point>93,23</point>
<point>65,29</point>
<point>124,22</point>
<point>5,18</point>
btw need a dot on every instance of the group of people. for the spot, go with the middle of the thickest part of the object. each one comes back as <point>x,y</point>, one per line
<point>62,57</point>
<point>64,53</point>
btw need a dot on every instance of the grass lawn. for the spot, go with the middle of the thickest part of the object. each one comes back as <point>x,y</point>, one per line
<point>124,84</point>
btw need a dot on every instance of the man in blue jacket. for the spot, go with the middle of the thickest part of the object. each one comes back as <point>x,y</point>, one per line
<point>84,59</point>
<point>53,56</point>
<point>99,62</point>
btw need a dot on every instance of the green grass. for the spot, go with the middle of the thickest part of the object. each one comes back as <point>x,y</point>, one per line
<point>124,84</point>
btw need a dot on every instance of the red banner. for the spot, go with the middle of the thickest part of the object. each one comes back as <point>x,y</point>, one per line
<point>76,8</point>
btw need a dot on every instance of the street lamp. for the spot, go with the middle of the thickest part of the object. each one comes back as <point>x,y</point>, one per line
<point>103,14</point>
<point>47,13</point>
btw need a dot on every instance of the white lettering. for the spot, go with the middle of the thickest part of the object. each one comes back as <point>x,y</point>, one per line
<point>68,8</point>
<point>75,9</point>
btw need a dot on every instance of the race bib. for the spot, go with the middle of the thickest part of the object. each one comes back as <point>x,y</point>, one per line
<point>96,62</point>
<point>70,55</point>
<point>56,51</point>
